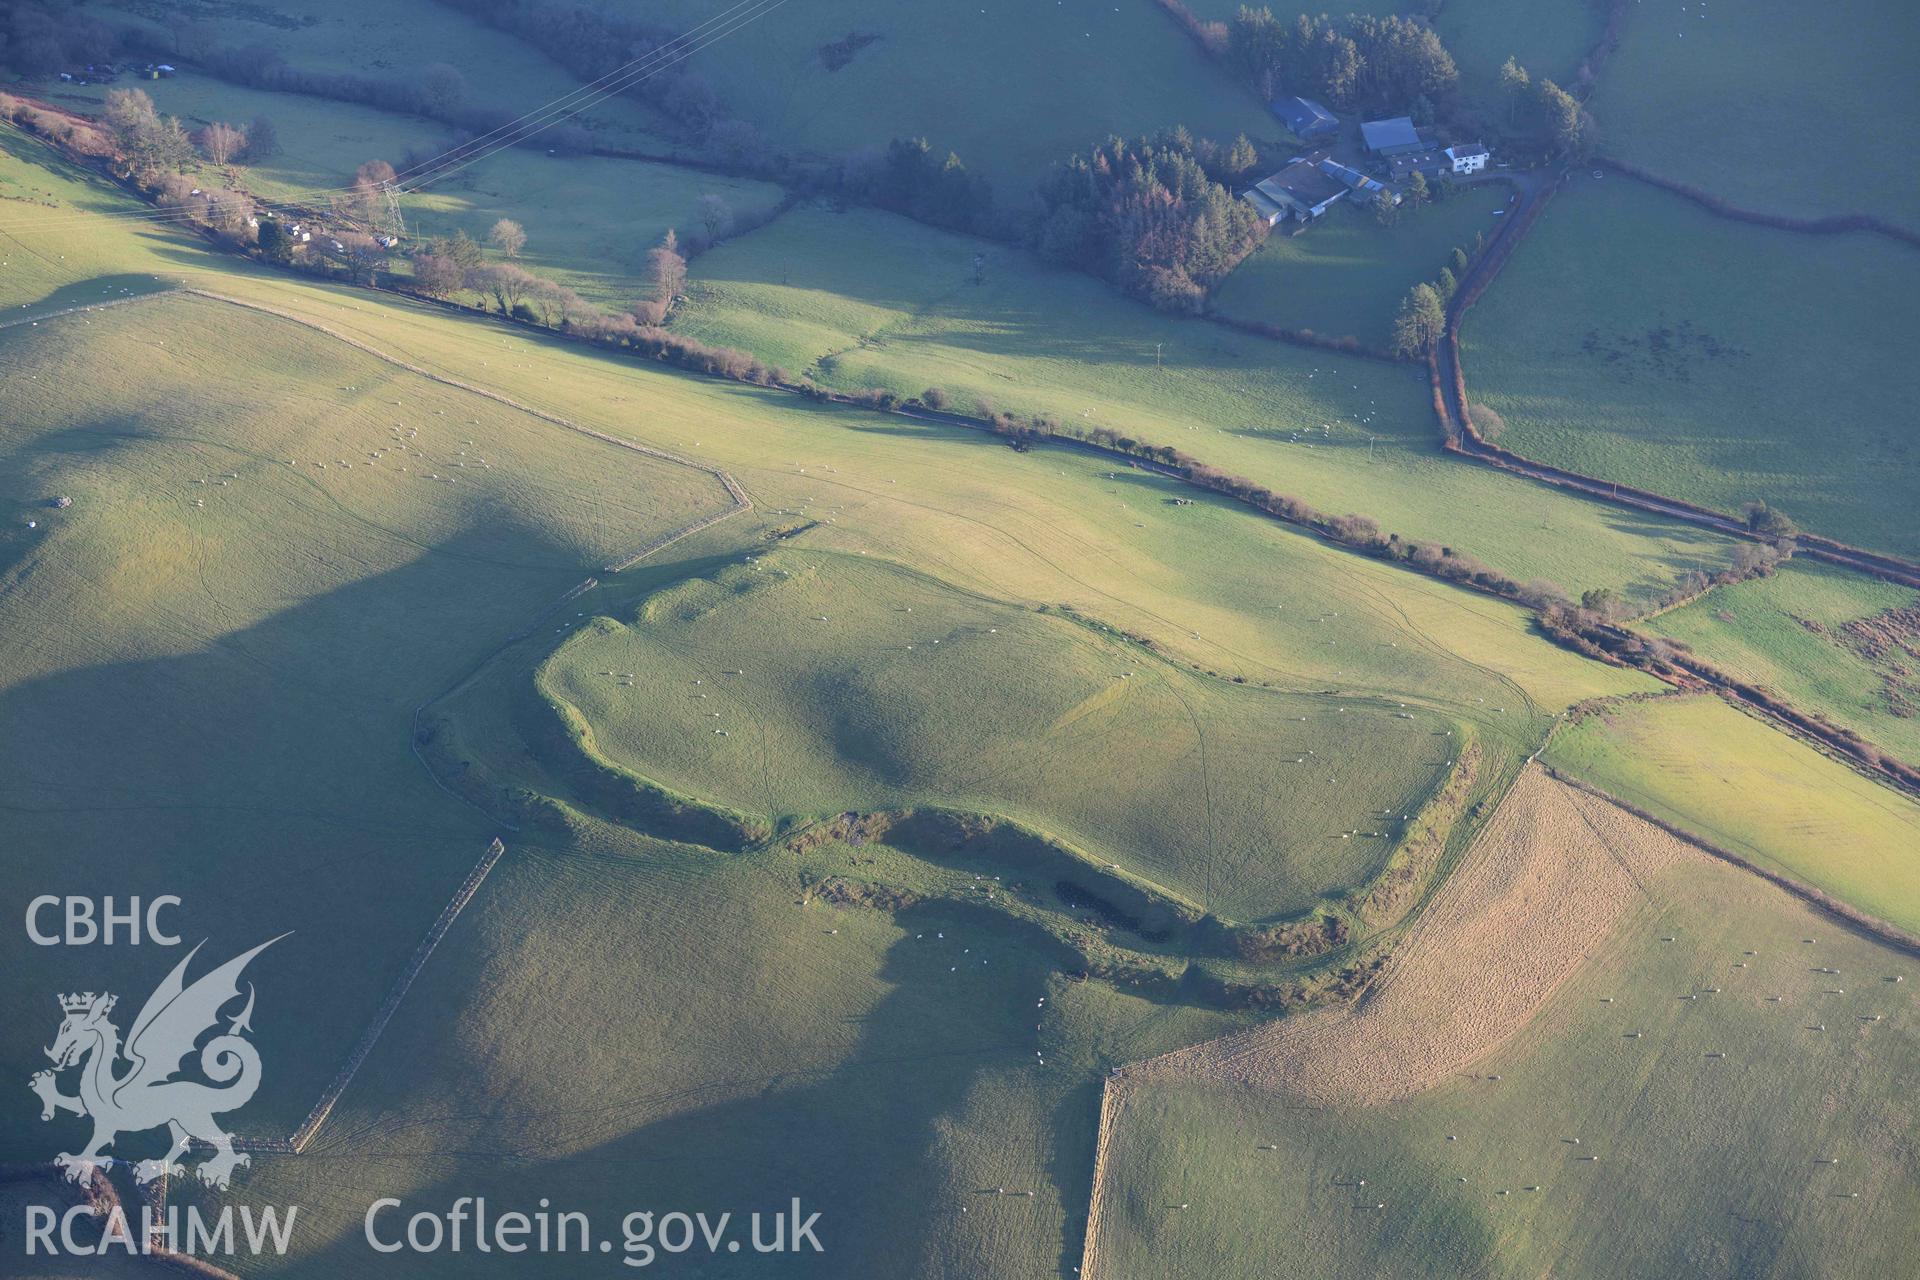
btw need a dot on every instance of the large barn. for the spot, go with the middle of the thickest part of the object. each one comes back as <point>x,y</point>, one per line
<point>1391,137</point>
<point>1302,192</point>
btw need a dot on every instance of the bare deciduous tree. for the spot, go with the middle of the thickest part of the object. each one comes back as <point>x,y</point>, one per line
<point>505,283</point>
<point>438,276</point>
<point>508,236</point>
<point>668,268</point>
<point>221,143</point>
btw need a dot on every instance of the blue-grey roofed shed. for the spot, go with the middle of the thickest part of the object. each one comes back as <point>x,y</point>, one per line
<point>1389,137</point>
<point>1304,117</point>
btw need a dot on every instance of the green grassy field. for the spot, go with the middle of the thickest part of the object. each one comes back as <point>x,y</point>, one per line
<point>1799,82</point>
<point>1827,641</point>
<point>360,552</point>
<point>1549,39</point>
<point>855,1063</point>
<point>383,42</point>
<point>868,299</point>
<point>590,222</point>
<point>1702,765</point>
<point>866,686</point>
<point>218,701</point>
<point>1012,90</point>
<point>1344,276</point>
<point>212,655</point>
<point>321,142</point>
<point>1032,339</point>
<point>1636,337</point>
<point>1684,1163</point>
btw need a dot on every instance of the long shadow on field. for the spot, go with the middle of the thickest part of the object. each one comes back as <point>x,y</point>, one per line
<point>930,1152</point>
<point>90,293</point>
<point>264,776</point>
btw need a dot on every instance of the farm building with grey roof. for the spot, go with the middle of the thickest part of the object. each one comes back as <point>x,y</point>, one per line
<point>1390,137</point>
<point>1304,117</point>
<point>1302,191</point>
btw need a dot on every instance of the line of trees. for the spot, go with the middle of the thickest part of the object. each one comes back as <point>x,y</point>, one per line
<point>1147,215</point>
<point>1421,319</point>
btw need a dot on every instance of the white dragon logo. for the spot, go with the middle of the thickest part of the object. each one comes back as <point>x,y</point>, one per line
<point>146,1096</point>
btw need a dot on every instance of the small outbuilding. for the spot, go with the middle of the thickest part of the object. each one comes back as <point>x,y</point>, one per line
<point>1304,118</point>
